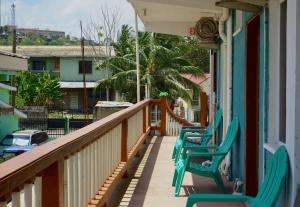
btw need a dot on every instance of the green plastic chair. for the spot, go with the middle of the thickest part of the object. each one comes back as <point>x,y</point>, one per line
<point>204,134</point>
<point>268,192</point>
<point>185,164</point>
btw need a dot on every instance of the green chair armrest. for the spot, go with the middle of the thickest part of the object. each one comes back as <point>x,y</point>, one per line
<point>193,130</point>
<point>200,147</point>
<point>204,154</point>
<point>196,198</point>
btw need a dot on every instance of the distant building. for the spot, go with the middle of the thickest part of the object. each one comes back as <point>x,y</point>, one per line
<point>65,62</point>
<point>46,33</point>
<point>9,116</point>
<point>41,32</point>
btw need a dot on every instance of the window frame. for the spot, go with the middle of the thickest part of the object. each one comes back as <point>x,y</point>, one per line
<point>88,70</point>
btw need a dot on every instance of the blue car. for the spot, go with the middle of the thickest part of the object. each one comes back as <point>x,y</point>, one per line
<point>22,141</point>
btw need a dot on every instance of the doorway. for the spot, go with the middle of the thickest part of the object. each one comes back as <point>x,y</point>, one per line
<point>252,106</point>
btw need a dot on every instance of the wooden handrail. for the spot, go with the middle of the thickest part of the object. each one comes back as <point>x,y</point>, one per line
<point>21,169</point>
<point>177,118</point>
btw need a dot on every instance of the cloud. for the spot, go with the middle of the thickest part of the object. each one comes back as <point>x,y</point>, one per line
<point>63,15</point>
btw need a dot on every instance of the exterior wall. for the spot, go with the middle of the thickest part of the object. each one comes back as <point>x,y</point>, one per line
<point>69,71</point>
<point>4,95</point>
<point>8,124</point>
<point>238,96</point>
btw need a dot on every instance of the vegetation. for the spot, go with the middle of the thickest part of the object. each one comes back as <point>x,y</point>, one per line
<point>6,38</point>
<point>37,89</point>
<point>163,61</point>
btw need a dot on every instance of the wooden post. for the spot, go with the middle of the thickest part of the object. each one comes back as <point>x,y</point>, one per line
<point>149,115</point>
<point>124,139</point>
<point>163,116</point>
<point>204,109</point>
<point>144,120</point>
<point>53,185</point>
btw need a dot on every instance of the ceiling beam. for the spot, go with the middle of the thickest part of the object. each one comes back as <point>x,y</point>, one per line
<point>239,5</point>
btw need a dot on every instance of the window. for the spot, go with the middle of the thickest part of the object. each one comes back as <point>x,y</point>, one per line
<point>38,65</point>
<point>56,64</point>
<point>87,65</point>
<point>39,138</point>
<point>282,70</point>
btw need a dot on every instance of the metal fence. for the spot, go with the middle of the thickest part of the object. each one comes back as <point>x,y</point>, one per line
<point>54,127</point>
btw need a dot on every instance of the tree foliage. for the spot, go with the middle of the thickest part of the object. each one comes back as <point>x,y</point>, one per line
<point>37,89</point>
<point>164,59</point>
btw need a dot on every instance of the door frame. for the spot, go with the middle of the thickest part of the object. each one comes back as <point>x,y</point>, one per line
<point>252,77</point>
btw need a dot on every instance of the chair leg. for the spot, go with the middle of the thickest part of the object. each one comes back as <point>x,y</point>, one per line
<point>178,153</point>
<point>175,148</point>
<point>181,174</point>
<point>175,176</point>
<point>219,181</point>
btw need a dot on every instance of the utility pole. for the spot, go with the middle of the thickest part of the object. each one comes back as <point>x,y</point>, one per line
<point>138,93</point>
<point>13,22</point>
<point>0,13</point>
<point>85,102</point>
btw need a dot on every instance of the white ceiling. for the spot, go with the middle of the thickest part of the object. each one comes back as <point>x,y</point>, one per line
<point>174,16</point>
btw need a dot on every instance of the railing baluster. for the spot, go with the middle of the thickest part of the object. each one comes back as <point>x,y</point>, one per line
<point>3,204</point>
<point>16,199</point>
<point>28,195</point>
<point>70,182</point>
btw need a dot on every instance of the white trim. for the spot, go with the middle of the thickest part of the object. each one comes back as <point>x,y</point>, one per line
<point>239,30</point>
<point>7,87</point>
<point>272,148</point>
<point>16,111</point>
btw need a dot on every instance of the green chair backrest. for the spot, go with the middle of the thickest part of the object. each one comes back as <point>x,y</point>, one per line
<point>227,143</point>
<point>217,120</point>
<point>277,170</point>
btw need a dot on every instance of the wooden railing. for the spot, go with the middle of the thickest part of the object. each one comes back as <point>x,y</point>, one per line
<point>79,169</point>
<point>82,168</point>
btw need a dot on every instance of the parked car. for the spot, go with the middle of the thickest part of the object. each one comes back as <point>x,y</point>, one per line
<point>22,141</point>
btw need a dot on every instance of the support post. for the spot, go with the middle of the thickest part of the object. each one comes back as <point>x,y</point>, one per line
<point>124,139</point>
<point>144,120</point>
<point>163,116</point>
<point>204,109</point>
<point>53,185</point>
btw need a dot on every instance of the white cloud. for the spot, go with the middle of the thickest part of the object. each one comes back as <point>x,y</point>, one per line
<point>63,14</point>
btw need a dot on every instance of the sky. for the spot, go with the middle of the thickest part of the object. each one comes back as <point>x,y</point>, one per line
<point>62,15</point>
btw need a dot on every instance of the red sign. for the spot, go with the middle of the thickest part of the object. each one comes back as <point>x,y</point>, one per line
<point>192,31</point>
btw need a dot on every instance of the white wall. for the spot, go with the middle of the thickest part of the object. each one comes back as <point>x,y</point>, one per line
<point>293,60</point>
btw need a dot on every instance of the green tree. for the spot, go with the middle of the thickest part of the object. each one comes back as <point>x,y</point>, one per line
<point>163,61</point>
<point>37,89</point>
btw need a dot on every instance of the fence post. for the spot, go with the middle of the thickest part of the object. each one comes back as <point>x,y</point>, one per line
<point>163,123</point>
<point>67,125</point>
<point>53,185</point>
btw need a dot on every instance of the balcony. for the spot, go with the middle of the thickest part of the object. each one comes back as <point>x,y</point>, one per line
<point>85,167</point>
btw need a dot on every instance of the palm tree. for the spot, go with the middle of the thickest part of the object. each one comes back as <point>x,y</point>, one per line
<point>162,63</point>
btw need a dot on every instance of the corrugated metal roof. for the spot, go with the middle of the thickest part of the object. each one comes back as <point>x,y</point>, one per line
<point>59,51</point>
<point>7,53</point>
<point>71,84</point>
<point>204,81</point>
<point>113,104</point>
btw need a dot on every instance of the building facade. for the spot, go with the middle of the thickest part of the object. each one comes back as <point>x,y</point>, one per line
<point>66,63</point>
<point>10,64</point>
<point>254,73</point>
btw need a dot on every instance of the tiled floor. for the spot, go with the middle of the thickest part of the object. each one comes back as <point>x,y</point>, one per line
<point>151,184</point>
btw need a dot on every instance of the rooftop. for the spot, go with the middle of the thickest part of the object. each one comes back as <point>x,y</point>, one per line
<point>59,51</point>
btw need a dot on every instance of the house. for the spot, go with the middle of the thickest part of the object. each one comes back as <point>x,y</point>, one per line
<point>66,63</point>
<point>192,108</point>
<point>254,73</point>
<point>255,54</point>
<point>10,64</point>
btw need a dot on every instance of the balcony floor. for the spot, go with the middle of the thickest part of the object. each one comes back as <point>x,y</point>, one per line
<point>151,183</point>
